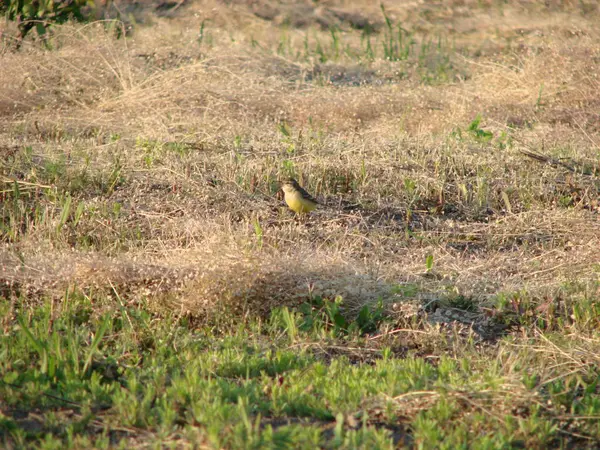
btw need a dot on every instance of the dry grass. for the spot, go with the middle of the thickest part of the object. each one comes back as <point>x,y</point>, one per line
<point>172,147</point>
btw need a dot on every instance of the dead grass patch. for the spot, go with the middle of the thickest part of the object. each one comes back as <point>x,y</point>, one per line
<point>186,136</point>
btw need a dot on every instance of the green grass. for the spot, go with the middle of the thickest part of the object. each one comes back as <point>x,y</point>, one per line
<point>73,377</point>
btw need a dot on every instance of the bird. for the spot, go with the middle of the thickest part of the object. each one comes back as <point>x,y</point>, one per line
<point>297,198</point>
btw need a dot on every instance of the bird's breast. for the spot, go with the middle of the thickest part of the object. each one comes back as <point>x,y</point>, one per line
<point>297,203</point>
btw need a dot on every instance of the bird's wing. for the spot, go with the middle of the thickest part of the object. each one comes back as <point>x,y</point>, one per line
<point>306,195</point>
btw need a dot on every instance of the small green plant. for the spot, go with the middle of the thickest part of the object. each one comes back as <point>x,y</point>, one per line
<point>284,47</point>
<point>408,290</point>
<point>410,187</point>
<point>462,302</point>
<point>320,51</point>
<point>179,148</point>
<point>323,315</point>
<point>397,42</point>
<point>429,263</point>
<point>288,168</point>
<point>237,142</point>
<point>287,138</point>
<point>115,178</point>
<point>479,133</point>
<point>539,104</point>
<point>365,40</point>
<point>65,212</point>
<point>201,32</point>
<point>504,141</point>
<point>368,319</point>
<point>53,171</point>
<point>335,43</point>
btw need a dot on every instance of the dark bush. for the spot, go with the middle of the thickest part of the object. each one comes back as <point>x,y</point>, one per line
<point>41,14</point>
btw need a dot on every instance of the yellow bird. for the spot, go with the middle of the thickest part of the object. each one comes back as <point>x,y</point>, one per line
<point>297,198</point>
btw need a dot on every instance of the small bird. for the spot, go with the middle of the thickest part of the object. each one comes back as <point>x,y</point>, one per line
<point>297,198</point>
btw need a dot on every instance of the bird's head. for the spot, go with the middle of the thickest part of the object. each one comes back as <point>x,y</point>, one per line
<point>289,185</point>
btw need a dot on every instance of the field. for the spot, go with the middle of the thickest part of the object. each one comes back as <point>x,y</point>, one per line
<point>155,291</point>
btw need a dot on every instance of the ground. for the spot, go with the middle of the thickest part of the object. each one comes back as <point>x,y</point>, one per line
<point>156,291</point>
